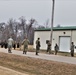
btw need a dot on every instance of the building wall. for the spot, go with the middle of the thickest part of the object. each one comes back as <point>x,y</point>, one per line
<point>57,34</point>
<point>74,37</point>
<point>45,35</point>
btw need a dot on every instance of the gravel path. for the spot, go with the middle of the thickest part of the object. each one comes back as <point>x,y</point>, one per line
<point>65,59</point>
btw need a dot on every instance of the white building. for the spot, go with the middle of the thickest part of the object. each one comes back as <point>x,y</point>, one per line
<point>63,36</point>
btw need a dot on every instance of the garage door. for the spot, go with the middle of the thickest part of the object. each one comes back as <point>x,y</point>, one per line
<point>64,44</point>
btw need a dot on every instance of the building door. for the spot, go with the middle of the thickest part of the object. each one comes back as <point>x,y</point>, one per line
<point>64,44</point>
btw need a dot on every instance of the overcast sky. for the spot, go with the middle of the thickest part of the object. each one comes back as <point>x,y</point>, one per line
<point>65,10</point>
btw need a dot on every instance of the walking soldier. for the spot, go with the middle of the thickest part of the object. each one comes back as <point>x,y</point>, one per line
<point>37,46</point>
<point>49,47</point>
<point>25,43</point>
<point>56,49</point>
<point>72,49</point>
<point>10,44</point>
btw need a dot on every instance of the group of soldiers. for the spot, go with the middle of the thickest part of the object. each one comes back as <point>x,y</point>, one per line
<point>25,43</point>
<point>48,47</point>
<point>56,47</point>
<point>11,43</point>
<point>4,44</point>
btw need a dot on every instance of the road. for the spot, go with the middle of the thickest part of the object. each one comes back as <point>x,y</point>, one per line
<point>52,57</point>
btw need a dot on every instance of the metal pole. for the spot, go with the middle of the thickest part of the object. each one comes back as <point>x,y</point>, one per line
<point>71,38</point>
<point>52,20</point>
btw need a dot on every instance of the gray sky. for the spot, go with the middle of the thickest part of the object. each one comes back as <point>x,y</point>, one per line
<point>65,10</point>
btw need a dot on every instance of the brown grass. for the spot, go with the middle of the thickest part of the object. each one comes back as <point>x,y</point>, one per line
<point>35,66</point>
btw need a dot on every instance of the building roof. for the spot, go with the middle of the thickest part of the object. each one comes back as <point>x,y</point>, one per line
<point>57,28</point>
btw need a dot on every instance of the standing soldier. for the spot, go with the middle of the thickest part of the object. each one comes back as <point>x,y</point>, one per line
<point>37,46</point>
<point>18,44</point>
<point>25,43</point>
<point>10,44</point>
<point>5,44</point>
<point>56,49</point>
<point>14,45</point>
<point>49,47</point>
<point>2,44</point>
<point>72,49</point>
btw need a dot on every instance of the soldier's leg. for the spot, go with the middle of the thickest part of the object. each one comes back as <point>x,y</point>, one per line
<point>72,53</point>
<point>8,50</point>
<point>36,50</point>
<point>55,52</point>
<point>47,49</point>
<point>24,50</point>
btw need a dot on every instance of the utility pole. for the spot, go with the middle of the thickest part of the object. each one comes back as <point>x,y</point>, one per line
<point>52,20</point>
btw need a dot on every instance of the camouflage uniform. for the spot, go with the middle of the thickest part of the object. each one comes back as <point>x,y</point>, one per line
<point>10,44</point>
<point>72,49</point>
<point>37,46</point>
<point>14,45</point>
<point>56,49</point>
<point>25,43</point>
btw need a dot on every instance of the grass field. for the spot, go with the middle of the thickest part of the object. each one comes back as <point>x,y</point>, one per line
<point>34,66</point>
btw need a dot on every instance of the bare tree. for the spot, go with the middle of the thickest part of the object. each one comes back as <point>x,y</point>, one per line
<point>30,30</point>
<point>11,24</point>
<point>2,25</point>
<point>23,24</point>
<point>18,30</point>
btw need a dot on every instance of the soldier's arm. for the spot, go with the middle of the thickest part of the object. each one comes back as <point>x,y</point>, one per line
<point>22,42</point>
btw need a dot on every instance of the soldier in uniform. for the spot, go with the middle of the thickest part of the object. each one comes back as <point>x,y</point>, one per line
<point>56,49</point>
<point>18,45</point>
<point>5,44</point>
<point>49,47</point>
<point>14,45</point>
<point>2,44</point>
<point>25,43</point>
<point>10,44</point>
<point>72,49</point>
<point>37,46</point>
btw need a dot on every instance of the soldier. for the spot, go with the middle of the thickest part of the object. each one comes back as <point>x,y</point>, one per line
<point>72,49</point>
<point>10,44</point>
<point>56,49</point>
<point>18,45</point>
<point>14,45</point>
<point>49,47</point>
<point>25,43</point>
<point>2,44</point>
<point>37,46</point>
<point>5,44</point>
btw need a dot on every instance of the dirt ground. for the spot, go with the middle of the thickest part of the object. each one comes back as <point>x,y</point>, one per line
<point>33,66</point>
<point>6,71</point>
